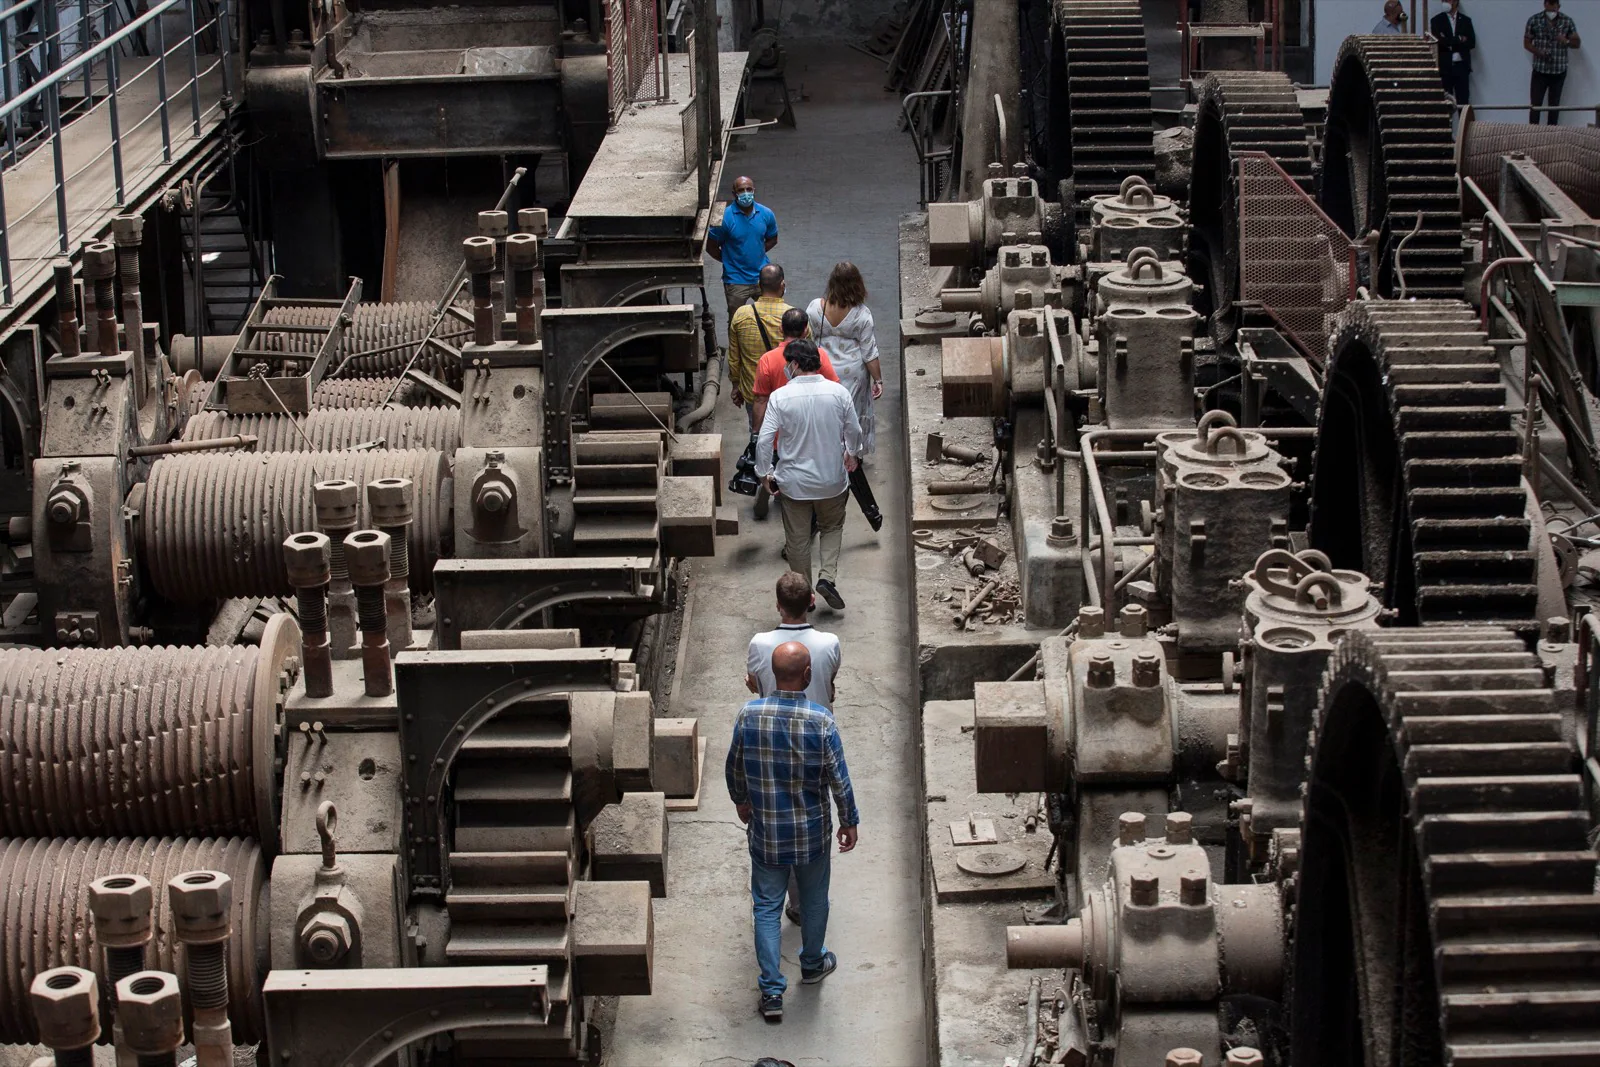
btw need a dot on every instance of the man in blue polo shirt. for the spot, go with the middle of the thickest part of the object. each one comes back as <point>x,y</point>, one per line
<point>741,241</point>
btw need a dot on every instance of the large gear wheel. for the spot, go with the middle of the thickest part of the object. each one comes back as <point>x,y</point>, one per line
<point>1417,474</point>
<point>1388,164</point>
<point>1445,908</point>
<point>1240,111</point>
<point>1100,109</point>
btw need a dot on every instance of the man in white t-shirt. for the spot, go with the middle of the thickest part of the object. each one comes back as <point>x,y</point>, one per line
<point>795,603</point>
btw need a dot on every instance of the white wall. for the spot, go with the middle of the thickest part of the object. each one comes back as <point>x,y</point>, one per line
<point>1500,66</point>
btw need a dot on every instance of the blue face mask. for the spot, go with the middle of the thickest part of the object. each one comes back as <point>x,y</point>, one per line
<point>745,199</point>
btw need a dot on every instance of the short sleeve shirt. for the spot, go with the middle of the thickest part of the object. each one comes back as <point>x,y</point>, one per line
<point>744,242</point>
<point>1546,34</point>
<point>772,372</point>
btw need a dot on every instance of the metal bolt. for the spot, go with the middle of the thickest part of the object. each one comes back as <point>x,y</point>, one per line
<point>534,220</point>
<point>127,229</point>
<point>1180,828</point>
<point>335,505</point>
<point>1146,670</point>
<point>367,554</point>
<point>307,557</point>
<point>522,251</point>
<point>1102,671</point>
<point>1091,621</point>
<point>64,507</point>
<point>1133,621</point>
<point>202,907</point>
<point>1192,889</point>
<point>479,252</point>
<point>1061,530</point>
<point>1244,1056</point>
<point>150,1011</point>
<point>1130,828</point>
<point>1144,890</point>
<point>1558,629</point>
<point>494,498</point>
<point>99,261</point>
<point>1185,1057</point>
<point>66,1007</point>
<point>389,501</point>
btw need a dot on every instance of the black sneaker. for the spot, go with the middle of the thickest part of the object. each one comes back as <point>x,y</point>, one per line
<point>830,594</point>
<point>830,963</point>
<point>874,518</point>
<point>772,1006</point>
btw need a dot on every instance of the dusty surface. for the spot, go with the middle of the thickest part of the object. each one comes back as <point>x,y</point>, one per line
<point>839,183</point>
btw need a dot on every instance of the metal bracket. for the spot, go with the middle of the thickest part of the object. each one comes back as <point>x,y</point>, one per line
<point>576,340</point>
<point>443,697</point>
<point>359,1018</point>
<point>594,285</point>
<point>504,594</point>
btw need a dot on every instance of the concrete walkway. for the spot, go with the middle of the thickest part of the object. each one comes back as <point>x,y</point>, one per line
<point>839,184</point>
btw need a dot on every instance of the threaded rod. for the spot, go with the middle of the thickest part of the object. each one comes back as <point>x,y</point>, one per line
<point>207,974</point>
<point>121,962</point>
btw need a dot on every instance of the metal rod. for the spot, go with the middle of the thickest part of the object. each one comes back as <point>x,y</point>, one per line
<point>161,90</point>
<point>5,252</point>
<point>85,42</point>
<point>116,127</point>
<point>245,442</point>
<point>194,69</point>
<point>53,115</point>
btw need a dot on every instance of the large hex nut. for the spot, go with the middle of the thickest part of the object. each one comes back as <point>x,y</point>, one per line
<point>307,557</point>
<point>66,1005</point>
<point>326,938</point>
<point>150,1012</point>
<point>366,553</point>
<point>202,906</point>
<point>120,904</point>
<point>336,503</point>
<point>127,230</point>
<point>522,251</point>
<point>479,252</point>
<point>493,223</point>
<point>389,501</point>
<point>99,260</point>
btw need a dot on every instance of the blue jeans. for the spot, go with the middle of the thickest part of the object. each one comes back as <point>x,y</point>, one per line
<point>768,887</point>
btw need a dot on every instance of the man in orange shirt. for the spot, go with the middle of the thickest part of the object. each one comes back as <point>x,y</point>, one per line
<point>772,373</point>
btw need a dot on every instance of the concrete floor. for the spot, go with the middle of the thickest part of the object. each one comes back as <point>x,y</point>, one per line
<point>839,184</point>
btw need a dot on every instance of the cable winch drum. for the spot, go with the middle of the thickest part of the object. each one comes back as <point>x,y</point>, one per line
<point>1567,155</point>
<point>45,920</point>
<point>213,526</point>
<point>329,430</point>
<point>144,741</point>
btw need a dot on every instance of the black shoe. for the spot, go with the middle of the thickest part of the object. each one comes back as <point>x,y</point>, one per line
<point>793,914</point>
<point>772,1006</point>
<point>830,963</point>
<point>874,518</point>
<point>830,594</point>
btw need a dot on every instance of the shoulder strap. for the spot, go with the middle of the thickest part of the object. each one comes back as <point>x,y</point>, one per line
<point>766,338</point>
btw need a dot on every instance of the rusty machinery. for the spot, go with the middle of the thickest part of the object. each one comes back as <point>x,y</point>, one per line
<point>1266,476</point>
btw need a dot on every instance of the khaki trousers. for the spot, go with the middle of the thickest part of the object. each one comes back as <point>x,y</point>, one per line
<point>737,294</point>
<point>797,533</point>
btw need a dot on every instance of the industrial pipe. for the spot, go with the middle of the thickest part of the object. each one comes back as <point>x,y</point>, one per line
<point>1054,947</point>
<point>708,394</point>
<point>244,442</point>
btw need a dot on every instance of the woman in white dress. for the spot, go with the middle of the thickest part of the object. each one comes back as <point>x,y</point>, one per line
<point>842,326</point>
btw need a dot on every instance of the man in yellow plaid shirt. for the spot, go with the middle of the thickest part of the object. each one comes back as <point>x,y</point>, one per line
<point>755,328</point>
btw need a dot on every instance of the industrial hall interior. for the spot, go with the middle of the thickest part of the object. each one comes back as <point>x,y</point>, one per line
<point>800,533</point>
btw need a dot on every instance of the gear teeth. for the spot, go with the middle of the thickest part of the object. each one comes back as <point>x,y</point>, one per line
<point>1388,109</point>
<point>1498,819</point>
<point>1107,94</point>
<point>1465,527</point>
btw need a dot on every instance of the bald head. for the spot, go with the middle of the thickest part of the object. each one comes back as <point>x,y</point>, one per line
<point>791,666</point>
<point>771,279</point>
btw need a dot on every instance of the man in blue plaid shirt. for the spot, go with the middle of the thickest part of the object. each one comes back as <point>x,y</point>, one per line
<point>785,758</point>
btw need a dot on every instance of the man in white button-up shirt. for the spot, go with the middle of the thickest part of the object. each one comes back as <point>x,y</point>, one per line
<point>812,421</point>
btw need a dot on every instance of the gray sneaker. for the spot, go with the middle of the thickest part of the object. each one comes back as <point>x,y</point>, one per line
<point>830,963</point>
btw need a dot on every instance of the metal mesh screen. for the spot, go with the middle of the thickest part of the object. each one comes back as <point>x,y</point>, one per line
<point>631,46</point>
<point>1293,261</point>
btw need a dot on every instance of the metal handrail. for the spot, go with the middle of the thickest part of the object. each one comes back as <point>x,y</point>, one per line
<point>48,89</point>
<point>66,70</point>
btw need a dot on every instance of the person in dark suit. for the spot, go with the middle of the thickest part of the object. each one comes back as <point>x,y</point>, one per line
<point>1453,31</point>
